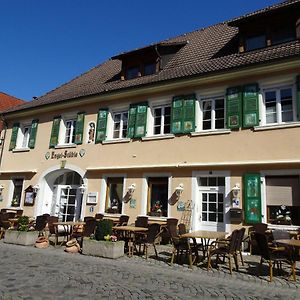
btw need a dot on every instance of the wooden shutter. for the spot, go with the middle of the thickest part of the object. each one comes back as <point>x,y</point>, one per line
<point>233,107</point>
<point>55,132</point>
<point>131,120</point>
<point>79,128</point>
<point>33,132</point>
<point>177,115</point>
<point>101,125</point>
<point>189,113</point>
<point>298,96</point>
<point>252,198</point>
<point>250,105</point>
<point>141,120</point>
<point>14,136</point>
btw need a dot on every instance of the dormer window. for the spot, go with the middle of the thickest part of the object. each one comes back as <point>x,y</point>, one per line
<point>149,69</point>
<point>255,42</point>
<point>283,35</point>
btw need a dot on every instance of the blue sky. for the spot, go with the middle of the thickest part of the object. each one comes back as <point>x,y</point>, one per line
<point>47,43</point>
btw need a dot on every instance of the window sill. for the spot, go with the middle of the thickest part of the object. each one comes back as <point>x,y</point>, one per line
<point>21,150</point>
<point>211,132</point>
<point>158,137</point>
<point>277,126</point>
<point>65,146</point>
<point>116,141</point>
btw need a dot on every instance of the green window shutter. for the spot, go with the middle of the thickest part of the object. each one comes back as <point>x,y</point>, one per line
<point>233,107</point>
<point>298,96</point>
<point>177,115</point>
<point>131,120</point>
<point>141,120</point>
<point>33,132</point>
<point>79,128</point>
<point>55,132</point>
<point>14,135</point>
<point>252,198</point>
<point>189,113</point>
<point>101,125</point>
<point>250,105</point>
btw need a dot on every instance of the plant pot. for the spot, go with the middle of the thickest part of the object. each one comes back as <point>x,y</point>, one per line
<point>25,238</point>
<point>103,248</point>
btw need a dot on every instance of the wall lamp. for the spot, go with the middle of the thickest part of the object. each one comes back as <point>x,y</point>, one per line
<point>36,188</point>
<point>236,190</point>
<point>131,189</point>
<point>1,188</point>
<point>178,190</point>
<point>82,188</point>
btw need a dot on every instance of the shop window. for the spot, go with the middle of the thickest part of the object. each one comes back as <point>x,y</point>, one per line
<point>120,125</point>
<point>158,196</point>
<point>17,191</point>
<point>114,195</point>
<point>213,114</point>
<point>282,198</point>
<point>162,120</point>
<point>279,107</point>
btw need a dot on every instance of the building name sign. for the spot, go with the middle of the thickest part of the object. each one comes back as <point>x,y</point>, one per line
<point>64,154</point>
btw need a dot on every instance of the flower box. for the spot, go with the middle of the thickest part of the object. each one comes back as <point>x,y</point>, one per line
<point>106,249</point>
<point>25,238</point>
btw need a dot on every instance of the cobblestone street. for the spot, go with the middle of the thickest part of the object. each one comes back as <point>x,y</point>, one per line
<point>30,273</point>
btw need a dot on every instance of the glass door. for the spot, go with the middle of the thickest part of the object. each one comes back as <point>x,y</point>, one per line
<point>211,206</point>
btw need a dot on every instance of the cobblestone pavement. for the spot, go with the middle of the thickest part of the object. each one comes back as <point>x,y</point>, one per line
<point>30,273</point>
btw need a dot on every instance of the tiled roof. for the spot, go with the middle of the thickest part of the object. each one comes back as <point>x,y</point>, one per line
<point>211,49</point>
<point>7,101</point>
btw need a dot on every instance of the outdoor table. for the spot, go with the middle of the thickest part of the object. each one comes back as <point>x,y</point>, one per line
<point>292,244</point>
<point>205,237</point>
<point>68,227</point>
<point>131,230</point>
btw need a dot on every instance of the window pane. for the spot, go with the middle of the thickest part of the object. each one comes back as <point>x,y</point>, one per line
<point>212,207</point>
<point>204,197</point>
<point>150,69</point>
<point>212,217</point>
<point>212,198</point>
<point>212,181</point>
<point>203,181</point>
<point>220,218</point>
<point>255,42</point>
<point>204,217</point>
<point>221,181</point>
<point>204,206</point>
<point>132,72</point>
<point>283,36</point>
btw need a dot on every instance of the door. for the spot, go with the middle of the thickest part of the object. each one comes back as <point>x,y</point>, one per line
<point>68,203</point>
<point>210,210</point>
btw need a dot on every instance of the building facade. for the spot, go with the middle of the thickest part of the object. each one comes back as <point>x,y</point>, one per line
<point>206,123</point>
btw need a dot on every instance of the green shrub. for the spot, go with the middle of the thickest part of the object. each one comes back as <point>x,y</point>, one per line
<point>23,223</point>
<point>103,228</point>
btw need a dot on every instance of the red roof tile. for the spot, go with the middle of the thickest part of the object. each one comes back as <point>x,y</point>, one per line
<point>7,101</point>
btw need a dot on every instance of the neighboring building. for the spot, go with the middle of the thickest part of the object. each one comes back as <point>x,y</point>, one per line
<point>212,114</point>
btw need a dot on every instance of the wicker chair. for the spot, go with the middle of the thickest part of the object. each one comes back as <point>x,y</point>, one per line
<point>225,248</point>
<point>272,255</point>
<point>40,224</point>
<point>141,221</point>
<point>88,229</point>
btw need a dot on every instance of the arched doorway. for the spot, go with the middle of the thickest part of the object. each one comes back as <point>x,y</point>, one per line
<point>60,194</point>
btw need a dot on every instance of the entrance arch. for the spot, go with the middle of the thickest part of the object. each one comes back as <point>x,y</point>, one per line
<point>59,193</point>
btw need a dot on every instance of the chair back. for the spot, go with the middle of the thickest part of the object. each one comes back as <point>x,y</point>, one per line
<point>85,219</point>
<point>89,227</point>
<point>260,227</point>
<point>240,238</point>
<point>19,213</point>
<point>11,215</point>
<point>153,232</point>
<point>141,221</point>
<point>41,222</point>
<point>262,242</point>
<point>182,228</point>
<point>99,216</point>
<point>123,220</point>
<point>51,220</point>
<point>172,221</point>
<point>280,235</point>
<point>233,241</point>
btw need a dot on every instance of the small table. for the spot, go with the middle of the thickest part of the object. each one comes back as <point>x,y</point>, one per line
<point>205,237</point>
<point>132,230</point>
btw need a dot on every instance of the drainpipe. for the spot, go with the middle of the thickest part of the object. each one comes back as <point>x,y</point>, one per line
<point>159,57</point>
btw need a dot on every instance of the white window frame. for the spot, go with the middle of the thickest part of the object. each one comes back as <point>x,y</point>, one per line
<point>121,124</point>
<point>213,114</point>
<point>162,118</point>
<point>11,191</point>
<point>277,89</point>
<point>21,136</point>
<point>63,129</point>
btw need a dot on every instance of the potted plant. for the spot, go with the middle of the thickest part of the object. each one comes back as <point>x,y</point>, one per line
<point>24,234</point>
<point>103,243</point>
